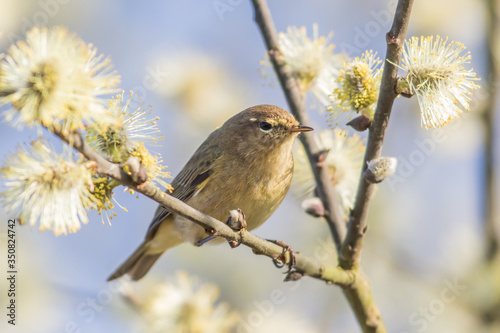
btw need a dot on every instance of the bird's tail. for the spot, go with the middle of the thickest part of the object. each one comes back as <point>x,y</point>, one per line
<point>138,264</point>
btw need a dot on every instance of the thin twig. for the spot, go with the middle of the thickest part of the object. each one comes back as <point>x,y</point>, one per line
<point>304,265</point>
<point>297,106</point>
<point>351,248</point>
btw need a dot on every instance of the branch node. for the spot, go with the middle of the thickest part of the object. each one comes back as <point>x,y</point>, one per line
<point>210,231</point>
<point>391,39</point>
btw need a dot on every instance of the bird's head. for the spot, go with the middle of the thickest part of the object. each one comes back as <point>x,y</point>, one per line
<point>262,128</point>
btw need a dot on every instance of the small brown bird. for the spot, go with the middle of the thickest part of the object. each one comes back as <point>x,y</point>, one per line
<point>247,163</point>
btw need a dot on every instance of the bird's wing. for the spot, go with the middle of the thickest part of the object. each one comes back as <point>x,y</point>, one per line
<point>189,180</point>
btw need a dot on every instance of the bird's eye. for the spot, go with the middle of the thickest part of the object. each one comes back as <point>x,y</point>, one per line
<point>265,126</point>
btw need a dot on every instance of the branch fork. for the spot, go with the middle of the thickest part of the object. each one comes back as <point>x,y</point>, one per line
<point>348,244</point>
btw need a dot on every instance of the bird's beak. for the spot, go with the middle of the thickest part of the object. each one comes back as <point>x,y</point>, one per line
<point>300,128</point>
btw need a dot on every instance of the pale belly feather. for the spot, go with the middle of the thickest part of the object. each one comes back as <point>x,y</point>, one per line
<point>260,194</point>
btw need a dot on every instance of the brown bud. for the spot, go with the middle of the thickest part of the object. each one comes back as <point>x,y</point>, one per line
<point>403,88</point>
<point>360,123</point>
<point>314,207</point>
<point>321,156</point>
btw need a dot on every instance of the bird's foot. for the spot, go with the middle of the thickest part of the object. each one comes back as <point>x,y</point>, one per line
<point>212,234</point>
<point>237,222</point>
<point>280,260</point>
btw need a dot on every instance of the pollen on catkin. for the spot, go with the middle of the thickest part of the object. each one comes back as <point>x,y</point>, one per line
<point>436,74</point>
<point>53,77</point>
<point>312,63</point>
<point>46,187</point>
<point>358,89</point>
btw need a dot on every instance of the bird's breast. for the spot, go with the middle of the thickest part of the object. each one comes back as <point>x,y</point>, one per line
<point>257,187</point>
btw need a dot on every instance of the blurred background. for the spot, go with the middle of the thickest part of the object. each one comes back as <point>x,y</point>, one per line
<point>427,253</point>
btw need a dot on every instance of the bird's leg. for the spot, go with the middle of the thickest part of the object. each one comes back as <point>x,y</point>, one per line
<point>212,234</point>
<point>280,260</point>
<point>236,221</point>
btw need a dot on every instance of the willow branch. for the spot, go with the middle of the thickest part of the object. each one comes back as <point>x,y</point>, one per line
<point>351,248</point>
<point>304,265</point>
<point>492,222</point>
<point>358,293</point>
<point>297,105</point>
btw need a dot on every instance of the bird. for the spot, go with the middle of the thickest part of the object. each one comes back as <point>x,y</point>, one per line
<point>245,164</point>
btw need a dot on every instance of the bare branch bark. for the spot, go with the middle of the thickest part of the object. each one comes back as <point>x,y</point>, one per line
<point>351,248</point>
<point>304,265</point>
<point>297,106</point>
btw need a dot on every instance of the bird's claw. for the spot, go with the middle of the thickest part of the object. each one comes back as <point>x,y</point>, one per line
<point>280,260</point>
<point>235,244</point>
<point>293,276</point>
<point>237,222</point>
